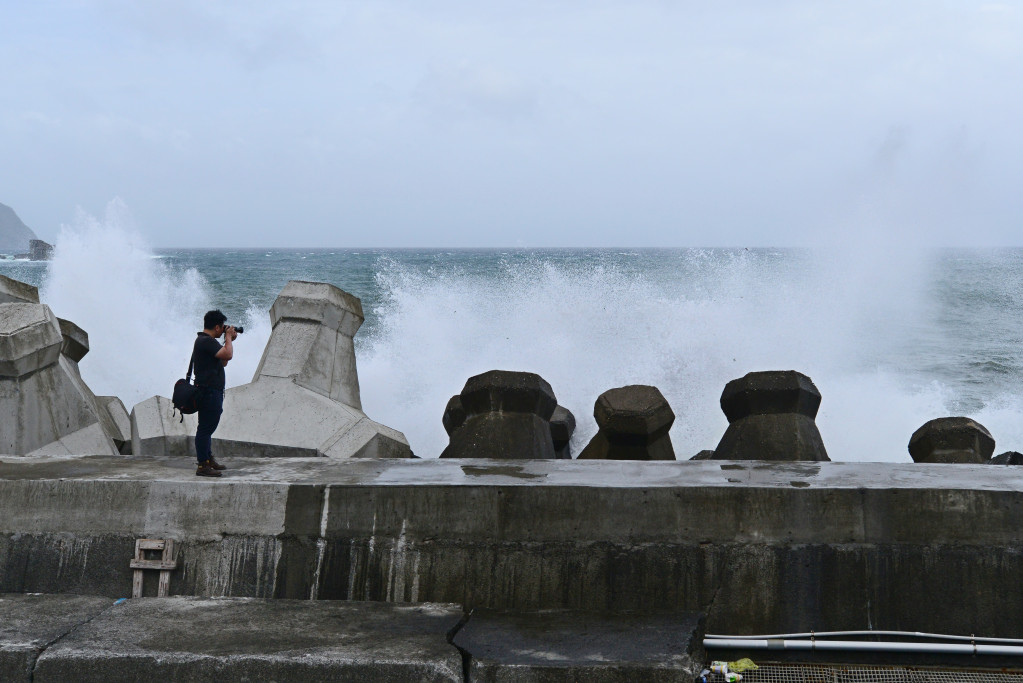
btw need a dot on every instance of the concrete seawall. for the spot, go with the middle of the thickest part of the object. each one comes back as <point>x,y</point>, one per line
<point>62,638</point>
<point>759,547</point>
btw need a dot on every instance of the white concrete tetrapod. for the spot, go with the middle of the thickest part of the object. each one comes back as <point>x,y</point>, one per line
<point>17,292</point>
<point>303,399</point>
<point>45,406</point>
<point>74,348</point>
<point>312,344</point>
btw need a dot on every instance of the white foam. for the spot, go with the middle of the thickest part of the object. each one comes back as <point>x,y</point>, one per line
<point>852,322</point>
<point>847,322</point>
<point>141,315</point>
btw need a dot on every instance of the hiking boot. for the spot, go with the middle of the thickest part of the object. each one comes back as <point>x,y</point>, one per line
<point>212,462</point>
<point>206,470</point>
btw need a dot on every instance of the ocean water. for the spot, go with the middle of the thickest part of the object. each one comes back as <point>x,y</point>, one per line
<point>891,337</point>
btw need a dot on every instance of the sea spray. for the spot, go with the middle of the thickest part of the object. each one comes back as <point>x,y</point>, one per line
<point>585,329</point>
<point>891,337</point>
<point>687,326</point>
<point>141,314</point>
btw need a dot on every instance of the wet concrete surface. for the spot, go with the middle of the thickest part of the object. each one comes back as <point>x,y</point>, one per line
<point>482,472</point>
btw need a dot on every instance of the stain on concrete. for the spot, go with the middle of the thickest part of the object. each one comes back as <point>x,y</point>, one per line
<point>502,470</point>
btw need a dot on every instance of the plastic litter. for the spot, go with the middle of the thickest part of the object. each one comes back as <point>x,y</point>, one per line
<point>744,664</point>
<point>722,668</point>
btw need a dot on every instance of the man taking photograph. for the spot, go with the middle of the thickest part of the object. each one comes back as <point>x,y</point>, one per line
<point>210,358</point>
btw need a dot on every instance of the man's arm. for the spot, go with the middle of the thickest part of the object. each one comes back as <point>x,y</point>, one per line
<point>226,352</point>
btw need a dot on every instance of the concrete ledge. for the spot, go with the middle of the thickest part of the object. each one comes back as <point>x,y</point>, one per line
<point>827,545</point>
<point>554,646</point>
<point>90,639</point>
<point>31,623</point>
<point>700,501</point>
<point>687,474</point>
<point>60,638</point>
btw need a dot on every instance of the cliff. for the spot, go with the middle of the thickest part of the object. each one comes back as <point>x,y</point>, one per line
<point>14,235</point>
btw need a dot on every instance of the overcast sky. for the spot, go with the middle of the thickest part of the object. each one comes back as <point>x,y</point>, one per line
<point>517,124</point>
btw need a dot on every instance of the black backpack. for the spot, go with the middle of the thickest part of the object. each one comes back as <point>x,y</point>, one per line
<point>186,395</point>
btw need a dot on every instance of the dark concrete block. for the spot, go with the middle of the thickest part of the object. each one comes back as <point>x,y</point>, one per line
<point>1007,458</point>
<point>504,391</point>
<point>703,455</point>
<point>633,424</point>
<point>562,425</point>
<point>29,623</point>
<point>563,645</point>
<point>636,410</point>
<point>771,417</point>
<point>507,416</point>
<point>237,639</point>
<point>562,428</point>
<point>780,438</point>
<point>952,440</point>
<point>771,391</point>
<point>508,436</point>
<point>454,415</point>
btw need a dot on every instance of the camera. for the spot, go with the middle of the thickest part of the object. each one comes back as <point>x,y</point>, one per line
<point>239,329</point>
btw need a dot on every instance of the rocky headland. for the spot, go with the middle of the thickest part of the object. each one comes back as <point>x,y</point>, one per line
<point>15,236</point>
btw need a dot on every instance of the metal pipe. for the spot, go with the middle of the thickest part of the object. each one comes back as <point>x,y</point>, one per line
<point>859,646</point>
<point>910,634</point>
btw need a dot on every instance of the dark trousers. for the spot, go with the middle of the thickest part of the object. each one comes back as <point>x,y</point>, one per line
<point>211,405</point>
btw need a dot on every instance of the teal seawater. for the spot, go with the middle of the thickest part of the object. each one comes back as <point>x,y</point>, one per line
<point>890,338</point>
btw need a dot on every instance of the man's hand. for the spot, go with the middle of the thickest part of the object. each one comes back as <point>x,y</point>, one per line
<point>230,333</point>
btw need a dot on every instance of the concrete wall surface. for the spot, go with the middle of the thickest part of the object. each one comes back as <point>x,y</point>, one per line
<point>198,639</point>
<point>62,638</point>
<point>759,547</point>
<point>557,646</point>
<point>31,623</point>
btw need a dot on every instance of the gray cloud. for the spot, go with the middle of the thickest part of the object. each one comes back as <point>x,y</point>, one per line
<point>396,123</point>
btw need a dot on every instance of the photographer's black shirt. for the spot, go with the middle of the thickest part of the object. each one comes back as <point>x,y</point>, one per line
<point>209,371</point>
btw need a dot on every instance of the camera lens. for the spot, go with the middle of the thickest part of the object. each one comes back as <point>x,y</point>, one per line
<point>239,329</point>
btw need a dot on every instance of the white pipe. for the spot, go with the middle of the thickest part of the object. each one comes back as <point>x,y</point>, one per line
<point>911,634</point>
<point>859,646</point>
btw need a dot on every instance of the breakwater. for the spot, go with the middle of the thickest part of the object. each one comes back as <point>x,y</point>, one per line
<point>763,534</point>
<point>758,547</point>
